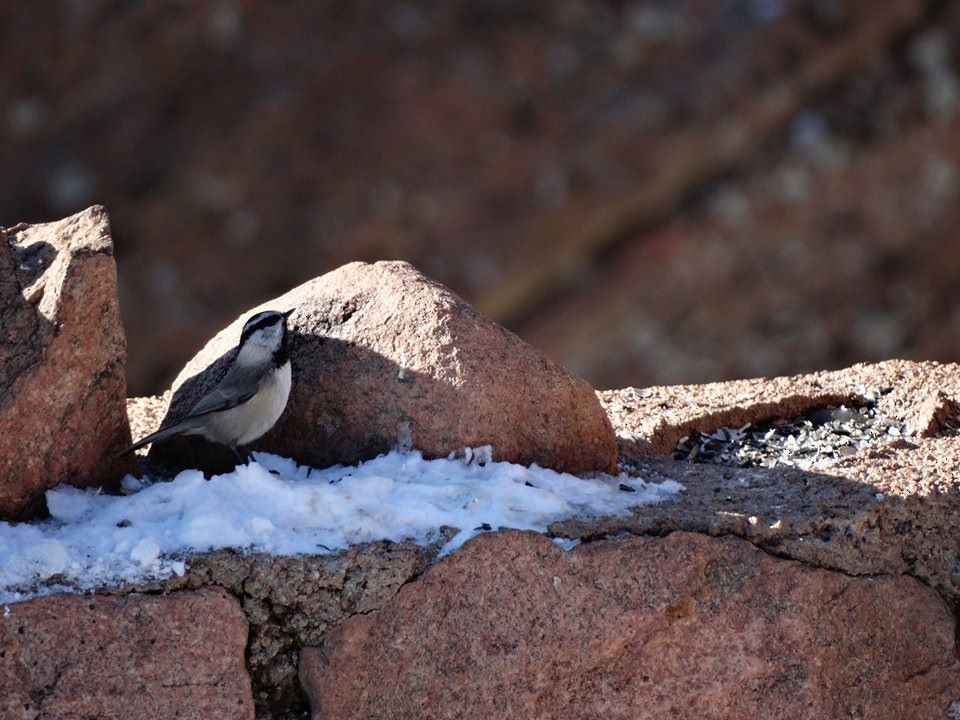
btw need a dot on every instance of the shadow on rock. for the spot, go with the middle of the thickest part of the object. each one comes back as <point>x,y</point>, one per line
<point>337,435</point>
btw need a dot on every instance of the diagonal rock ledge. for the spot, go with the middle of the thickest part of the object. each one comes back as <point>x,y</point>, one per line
<point>650,421</point>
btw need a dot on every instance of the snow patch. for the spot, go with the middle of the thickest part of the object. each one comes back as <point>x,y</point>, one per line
<point>274,505</point>
<point>146,552</point>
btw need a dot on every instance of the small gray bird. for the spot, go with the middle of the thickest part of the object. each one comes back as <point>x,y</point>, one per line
<point>252,395</point>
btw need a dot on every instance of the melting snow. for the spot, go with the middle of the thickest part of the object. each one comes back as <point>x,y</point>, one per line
<point>273,505</point>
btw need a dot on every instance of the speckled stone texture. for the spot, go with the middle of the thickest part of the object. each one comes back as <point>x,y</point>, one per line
<point>134,657</point>
<point>383,356</point>
<point>683,627</point>
<point>62,352</point>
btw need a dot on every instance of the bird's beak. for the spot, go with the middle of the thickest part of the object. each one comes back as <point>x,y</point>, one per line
<point>288,313</point>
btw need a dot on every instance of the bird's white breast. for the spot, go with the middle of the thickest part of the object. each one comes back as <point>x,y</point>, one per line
<point>245,423</point>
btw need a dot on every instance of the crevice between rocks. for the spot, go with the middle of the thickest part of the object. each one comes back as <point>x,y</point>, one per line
<point>588,539</point>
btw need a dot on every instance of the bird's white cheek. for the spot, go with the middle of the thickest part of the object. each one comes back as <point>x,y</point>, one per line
<point>253,354</point>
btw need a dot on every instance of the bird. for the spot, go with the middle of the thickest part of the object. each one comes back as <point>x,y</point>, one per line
<point>252,395</point>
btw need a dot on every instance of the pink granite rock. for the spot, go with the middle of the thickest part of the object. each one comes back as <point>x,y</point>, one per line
<point>133,657</point>
<point>384,356</point>
<point>682,627</point>
<point>62,351</point>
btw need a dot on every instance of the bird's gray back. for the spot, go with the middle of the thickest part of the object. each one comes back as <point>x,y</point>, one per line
<point>237,386</point>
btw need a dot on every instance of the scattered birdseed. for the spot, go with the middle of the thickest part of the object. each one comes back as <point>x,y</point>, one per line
<point>949,426</point>
<point>818,438</point>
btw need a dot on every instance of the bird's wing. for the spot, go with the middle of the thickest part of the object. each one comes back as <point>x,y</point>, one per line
<point>237,386</point>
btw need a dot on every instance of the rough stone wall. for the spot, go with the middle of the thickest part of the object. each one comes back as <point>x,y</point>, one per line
<point>880,528</point>
<point>290,603</point>
<point>682,627</point>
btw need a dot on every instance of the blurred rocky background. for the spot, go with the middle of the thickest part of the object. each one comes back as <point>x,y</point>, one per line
<point>651,192</point>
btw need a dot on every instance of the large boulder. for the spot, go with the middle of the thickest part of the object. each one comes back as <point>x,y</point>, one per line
<point>62,350</point>
<point>139,656</point>
<point>383,356</point>
<point>685,626</point>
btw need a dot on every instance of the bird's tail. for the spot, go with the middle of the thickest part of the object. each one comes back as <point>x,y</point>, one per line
<point>161,434</point>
